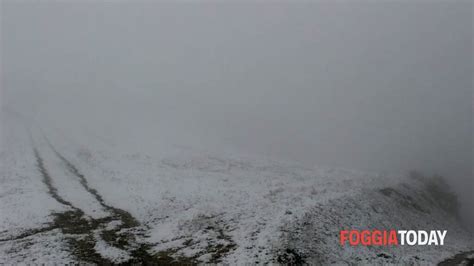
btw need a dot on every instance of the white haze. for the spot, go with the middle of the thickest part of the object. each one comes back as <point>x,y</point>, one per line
<point>378,86</point>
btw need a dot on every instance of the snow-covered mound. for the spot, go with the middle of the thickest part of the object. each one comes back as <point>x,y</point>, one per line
<point>66,199</point>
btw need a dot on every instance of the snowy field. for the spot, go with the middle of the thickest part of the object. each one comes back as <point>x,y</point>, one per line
<point>66,199</point>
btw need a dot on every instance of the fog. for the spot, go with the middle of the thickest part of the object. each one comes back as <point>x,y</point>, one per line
<point>372,86</point>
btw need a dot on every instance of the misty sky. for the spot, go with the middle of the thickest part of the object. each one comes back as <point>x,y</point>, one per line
<point>382,86</point>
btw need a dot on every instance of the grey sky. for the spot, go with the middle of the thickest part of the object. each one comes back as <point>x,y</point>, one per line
<point>382,86</point>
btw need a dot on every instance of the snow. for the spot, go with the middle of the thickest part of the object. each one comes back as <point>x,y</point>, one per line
<point>24,202</point>
<point>40,249</point>
<point>71,189</point>
<point>112,253</point>
<point>213,207</point>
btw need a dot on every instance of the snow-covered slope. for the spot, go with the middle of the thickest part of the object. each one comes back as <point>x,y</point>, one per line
<point>64,200</point>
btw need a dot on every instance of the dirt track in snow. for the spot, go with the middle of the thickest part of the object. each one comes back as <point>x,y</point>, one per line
<point>82,231</point>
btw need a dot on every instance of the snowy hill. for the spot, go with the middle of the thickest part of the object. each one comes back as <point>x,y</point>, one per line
<point>66,200</point>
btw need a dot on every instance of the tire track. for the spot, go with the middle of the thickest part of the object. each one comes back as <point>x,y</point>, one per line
<point>52,191</point>
<point>82,180</point>
<point>73,224</point>
<point>122,236</point>
<point>125,217</point>
<point>47,180</point>
<point>82,233</point>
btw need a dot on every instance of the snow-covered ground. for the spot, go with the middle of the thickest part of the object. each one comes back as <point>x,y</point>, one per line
<point>64,198</point>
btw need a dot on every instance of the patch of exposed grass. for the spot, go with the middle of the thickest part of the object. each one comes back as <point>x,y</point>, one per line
<point>79,235</point>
